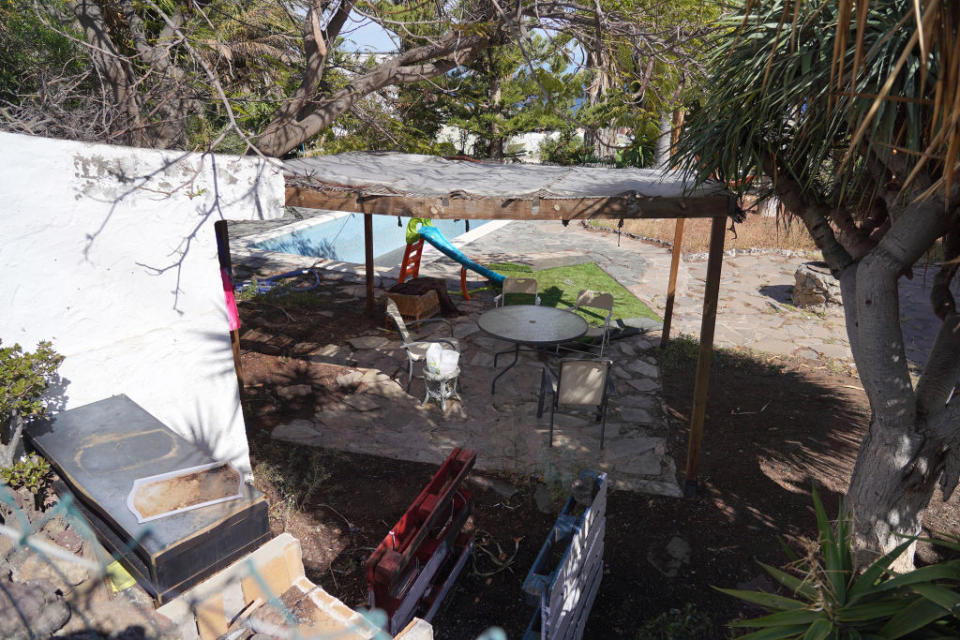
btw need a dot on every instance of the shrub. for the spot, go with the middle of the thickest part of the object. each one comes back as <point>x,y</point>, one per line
<point>688,623</point>
<point>23,379</point>
<point>832,600</point>
<point>31,472</point>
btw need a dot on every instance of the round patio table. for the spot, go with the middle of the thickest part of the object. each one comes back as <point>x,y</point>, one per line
<point>530,325</point>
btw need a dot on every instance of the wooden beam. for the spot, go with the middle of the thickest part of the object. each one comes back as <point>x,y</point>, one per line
<point>368,258</point>
<point>672,283</point>
<point>616,207</point>
<point>702,376</point>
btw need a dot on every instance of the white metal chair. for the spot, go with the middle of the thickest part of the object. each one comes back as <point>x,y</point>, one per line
<point>417,349</point>
<point>526,286</point>
<point>584,383</point>
<point>597,300</point>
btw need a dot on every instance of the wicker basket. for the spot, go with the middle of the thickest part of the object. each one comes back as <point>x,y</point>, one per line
<point>416,306</point>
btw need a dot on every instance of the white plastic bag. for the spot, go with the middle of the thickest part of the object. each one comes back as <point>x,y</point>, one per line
<point>440,360</point>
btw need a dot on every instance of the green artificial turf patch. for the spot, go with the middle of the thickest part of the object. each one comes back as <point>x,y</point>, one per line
<point>559,286</point>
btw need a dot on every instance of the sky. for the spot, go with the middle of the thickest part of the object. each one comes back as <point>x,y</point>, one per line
<point>361,34</point>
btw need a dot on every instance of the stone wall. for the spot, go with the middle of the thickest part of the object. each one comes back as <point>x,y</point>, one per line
<point>109,252</point>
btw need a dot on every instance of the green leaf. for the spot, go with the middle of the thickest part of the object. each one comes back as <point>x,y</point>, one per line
<point>831,549</point>
<point>782,619</point>
<point>795,584</point>
<point>768,600</point>
<point>819,630</point>
<point>873,611</point>
<point>867,580</point>
<point>775,633</point>
<point>916,616</point>
<point>942,571</point>
<point>946,598</point>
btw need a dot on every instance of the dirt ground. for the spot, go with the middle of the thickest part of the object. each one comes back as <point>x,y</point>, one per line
<point>774,429</point>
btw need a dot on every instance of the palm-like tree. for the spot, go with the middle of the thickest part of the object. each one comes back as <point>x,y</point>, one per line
<point>853,110</point>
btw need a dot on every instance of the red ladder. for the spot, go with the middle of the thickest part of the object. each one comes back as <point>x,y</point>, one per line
<point>411,260</point>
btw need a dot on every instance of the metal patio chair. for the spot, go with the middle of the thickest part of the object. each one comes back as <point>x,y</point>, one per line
<point>417,349</point>
<point>597,300</point>
<point>517,285</point>
<point>584,383</point>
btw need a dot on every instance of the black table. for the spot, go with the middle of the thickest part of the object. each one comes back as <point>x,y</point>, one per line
<point>530,325</point>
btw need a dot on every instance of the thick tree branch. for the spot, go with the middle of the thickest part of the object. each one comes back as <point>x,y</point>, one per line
<point>113,67</point>
<point>941,298</point>
<point>942,371</point>
<point>453,49</point>
<point>884,371</point>
<point>814,216</point>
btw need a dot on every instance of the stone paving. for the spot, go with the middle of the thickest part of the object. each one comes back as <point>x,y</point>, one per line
<point>380,418</point>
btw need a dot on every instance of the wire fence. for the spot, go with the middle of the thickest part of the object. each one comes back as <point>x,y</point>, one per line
<point>58,579</point>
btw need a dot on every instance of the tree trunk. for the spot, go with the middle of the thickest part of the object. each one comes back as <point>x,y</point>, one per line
<point>496,140</point>
<point>13,448</point>
<point>902,456</point>
<point>911,430</point>
<point>661,157</point>
<point>879,502</point>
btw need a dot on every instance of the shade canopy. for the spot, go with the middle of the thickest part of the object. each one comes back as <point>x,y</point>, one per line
<point>429,186</point>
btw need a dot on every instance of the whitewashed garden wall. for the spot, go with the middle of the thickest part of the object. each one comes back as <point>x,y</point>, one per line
<point>109,252</point>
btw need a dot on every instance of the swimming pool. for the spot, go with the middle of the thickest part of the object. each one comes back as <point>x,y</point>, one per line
<point>340,237</point>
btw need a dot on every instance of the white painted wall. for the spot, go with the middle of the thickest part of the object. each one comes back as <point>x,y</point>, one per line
<point>109,252</point>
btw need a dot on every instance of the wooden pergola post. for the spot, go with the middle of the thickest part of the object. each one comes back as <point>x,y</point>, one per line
<point>672,284</point>
<point>702,377</point>
<point>368,259</point>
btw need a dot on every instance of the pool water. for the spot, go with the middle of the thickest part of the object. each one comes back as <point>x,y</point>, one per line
<point>342,238</point>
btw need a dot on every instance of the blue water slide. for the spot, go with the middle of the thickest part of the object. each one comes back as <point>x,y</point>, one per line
<point>437,239</point>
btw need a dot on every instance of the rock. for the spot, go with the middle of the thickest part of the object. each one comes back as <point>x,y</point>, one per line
<point>627,348</point>
<point>814,286</point>
<point>541,495</point>
<point>501,487</point>
<point>635,415</point>
<point>368,342</point>
<point>642,323</point>
<point>62,574</point>
<point>326,351</point>
<point>295,391</point>
<point>631,447</point>
<point>640,400</point>
<point>673,557</point>
<point>300,430</point>
<point>643,368</point>
<point>119,619</point>
<point>349,378</point>
<point>70,541</point>
<point>482,359</point>
<point>679,549</point>
<point>464,329</point>
<point>643,385</point>
<point>30,610</point>
<point>361,402</point>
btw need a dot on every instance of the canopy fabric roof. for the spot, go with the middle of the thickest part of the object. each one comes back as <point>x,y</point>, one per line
<point>402,174</point>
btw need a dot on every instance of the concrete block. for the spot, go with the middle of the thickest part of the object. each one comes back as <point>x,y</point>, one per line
<point>211,620</point>
<point>418,629</point>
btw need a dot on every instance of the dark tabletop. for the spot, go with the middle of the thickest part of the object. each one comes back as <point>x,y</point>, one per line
<point>532,324</point>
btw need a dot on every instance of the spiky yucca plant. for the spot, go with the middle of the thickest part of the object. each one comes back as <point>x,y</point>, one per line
<point>831,600</point>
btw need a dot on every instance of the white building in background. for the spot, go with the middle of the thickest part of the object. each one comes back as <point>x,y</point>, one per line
<point>528,143</point>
